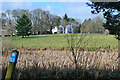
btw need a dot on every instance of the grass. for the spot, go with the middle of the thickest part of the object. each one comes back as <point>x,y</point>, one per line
<point>59,41</point>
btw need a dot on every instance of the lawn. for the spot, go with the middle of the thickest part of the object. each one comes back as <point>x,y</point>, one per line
<point>60,41</point>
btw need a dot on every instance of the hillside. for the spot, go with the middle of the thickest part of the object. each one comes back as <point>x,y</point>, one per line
<point>60,41</point>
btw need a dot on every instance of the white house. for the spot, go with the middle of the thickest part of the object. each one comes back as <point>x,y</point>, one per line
<point>69,29</point>
<point>60,29</point>
<point>55,30</point>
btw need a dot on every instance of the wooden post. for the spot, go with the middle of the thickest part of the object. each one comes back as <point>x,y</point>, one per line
<point>12,63</point>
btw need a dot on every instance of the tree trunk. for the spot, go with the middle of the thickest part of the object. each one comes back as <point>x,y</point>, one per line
<point>76,65</point>
<point>76,69</point>
<point>22,36</point>
<point>64,30</point>
<point>50,30</point>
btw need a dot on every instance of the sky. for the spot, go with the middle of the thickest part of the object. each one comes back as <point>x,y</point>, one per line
<point>75,9</point>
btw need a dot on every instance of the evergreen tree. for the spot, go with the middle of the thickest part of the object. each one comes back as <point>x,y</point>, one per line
<point>23,26</point>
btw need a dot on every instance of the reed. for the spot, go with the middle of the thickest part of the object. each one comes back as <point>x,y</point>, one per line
<point>56,64</point>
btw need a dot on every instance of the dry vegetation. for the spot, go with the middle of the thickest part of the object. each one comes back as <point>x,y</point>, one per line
<point>6,45</point>
<point>41,63</point>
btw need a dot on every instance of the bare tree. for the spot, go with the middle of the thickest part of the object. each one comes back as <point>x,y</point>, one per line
<point>3,19</point>
<point>77,44</point>
<point>52,21</point>
<point>36,19</point>
<point>98,23</point>
<point>94,25</point>
<point>10,23</point>
<point>65,21</point>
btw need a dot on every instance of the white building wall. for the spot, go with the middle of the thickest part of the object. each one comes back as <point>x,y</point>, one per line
<point>55,30</point>
<point>68,29</point>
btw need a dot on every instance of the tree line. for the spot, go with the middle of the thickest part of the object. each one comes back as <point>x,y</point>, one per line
<point>111,12</point>
<point>42,22</point>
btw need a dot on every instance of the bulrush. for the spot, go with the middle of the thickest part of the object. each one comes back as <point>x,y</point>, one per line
<point>41,60</point>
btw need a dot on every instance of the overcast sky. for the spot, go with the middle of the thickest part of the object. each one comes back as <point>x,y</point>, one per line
<point>74,8</point>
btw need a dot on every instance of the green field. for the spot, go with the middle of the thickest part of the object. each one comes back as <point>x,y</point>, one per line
<point>60,41</point>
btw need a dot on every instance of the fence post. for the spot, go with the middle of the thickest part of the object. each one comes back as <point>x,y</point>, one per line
<point>12,63</point>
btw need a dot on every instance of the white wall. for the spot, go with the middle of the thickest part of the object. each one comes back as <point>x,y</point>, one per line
<point>55,30</point>
<point>68,29</point>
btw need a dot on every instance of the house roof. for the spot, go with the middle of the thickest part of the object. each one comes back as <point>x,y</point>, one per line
<point>61,26</point>
<point>68,26</point>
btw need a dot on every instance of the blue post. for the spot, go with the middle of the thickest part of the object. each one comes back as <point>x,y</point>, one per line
<point>12,63</point>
